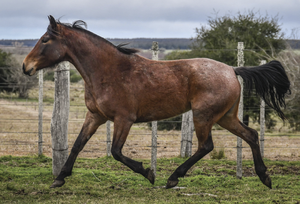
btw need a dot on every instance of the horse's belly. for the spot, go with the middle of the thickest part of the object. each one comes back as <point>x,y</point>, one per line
<point>163,109</point>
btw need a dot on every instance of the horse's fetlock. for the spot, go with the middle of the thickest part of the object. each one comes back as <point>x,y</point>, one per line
<point>261,171</point>
<point>116,155</point>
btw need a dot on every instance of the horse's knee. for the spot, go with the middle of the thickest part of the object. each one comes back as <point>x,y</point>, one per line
<point>209,145</point>
<point>254,141</point>
<point>252,138</point>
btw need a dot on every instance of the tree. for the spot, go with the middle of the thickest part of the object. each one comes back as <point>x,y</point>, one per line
<point>291,62</point>
<point>5,59</point>
<point>219,41</point>
<point>12,78</point>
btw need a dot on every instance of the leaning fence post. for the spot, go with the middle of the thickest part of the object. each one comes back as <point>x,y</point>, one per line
<point>155,50</point>
<point>60,116</point>
<point>40,130</point>
<point>108,140</point>
<point>240,63</point>
<point>262,120</point>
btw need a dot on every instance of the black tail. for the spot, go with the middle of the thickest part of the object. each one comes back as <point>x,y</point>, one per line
<point>270,81</point>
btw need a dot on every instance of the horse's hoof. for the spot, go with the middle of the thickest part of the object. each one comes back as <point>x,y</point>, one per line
<point>150,175</point>
<point>57,183</point>
<point>171,184</point>
<point>268,182</point>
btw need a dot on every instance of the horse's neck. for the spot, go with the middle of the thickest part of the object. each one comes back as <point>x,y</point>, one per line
<point>90,58</point>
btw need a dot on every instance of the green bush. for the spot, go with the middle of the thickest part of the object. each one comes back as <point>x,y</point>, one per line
<point>74,76</point>
<point>217,154</point>
<point>49,76</point>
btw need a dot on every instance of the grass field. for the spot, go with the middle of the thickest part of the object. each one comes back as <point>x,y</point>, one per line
<point>104,180</point>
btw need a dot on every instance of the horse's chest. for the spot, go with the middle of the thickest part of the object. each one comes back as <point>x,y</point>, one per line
<point>101,101</point>
<point>90,103</point>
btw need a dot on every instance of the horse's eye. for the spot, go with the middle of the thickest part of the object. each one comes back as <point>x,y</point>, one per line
<point>44,40</point>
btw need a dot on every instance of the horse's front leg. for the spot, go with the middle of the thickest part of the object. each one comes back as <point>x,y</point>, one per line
<point>121,130</point>
<point>91,124</point>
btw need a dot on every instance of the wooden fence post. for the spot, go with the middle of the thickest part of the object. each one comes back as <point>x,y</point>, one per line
<point>60,117</point>
<point>187,128</point>
<point>240,63</point>
<point>108,140</point>
<point>184,129</point>
<point>40,129</point>
<point>155,50</point>
<point>190,134</point>
<point>262,120</point>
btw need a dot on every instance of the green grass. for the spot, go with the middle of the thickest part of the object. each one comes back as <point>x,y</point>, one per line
<point>104,180</point>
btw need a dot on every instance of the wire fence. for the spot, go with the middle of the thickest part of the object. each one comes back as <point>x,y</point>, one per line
<point>19,131</point>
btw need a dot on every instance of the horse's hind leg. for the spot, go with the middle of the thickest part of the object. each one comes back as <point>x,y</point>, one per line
<point>232,123</point>
<point>121,130</point>
<point>91,124</point>
<point>205,145</point>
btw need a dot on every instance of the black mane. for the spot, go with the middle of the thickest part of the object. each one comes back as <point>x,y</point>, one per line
<point>121,47</point>
<point>82,25</point>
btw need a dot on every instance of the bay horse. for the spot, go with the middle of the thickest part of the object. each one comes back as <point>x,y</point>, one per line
<point>126,88</point>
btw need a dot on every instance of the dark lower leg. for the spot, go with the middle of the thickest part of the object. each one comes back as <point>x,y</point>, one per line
<point>121,130</point>
<point>133,165</point>
<point>90,126</point>
<point>68,166</point>
<point>77,147</point>
<point>182,169</point>
<point>231,123</point>
<point>260,167</point>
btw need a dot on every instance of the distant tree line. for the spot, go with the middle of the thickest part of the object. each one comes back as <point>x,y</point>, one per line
<point>26,43</point>
<point>146,43</point>
<point>141,43</point>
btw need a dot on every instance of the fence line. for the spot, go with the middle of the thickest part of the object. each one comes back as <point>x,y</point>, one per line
<point>161,134</point>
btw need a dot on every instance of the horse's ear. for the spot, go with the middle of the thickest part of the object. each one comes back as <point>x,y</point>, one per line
<point>53,23</point>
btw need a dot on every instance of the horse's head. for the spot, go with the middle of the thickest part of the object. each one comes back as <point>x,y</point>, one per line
<point>49,50</point>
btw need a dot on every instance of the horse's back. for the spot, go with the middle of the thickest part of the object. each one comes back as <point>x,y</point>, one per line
<point>206,76</point>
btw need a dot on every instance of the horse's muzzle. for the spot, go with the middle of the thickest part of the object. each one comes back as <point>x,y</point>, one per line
<point>27,72</point>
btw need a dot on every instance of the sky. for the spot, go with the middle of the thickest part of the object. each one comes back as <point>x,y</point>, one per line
<point>27,19</point>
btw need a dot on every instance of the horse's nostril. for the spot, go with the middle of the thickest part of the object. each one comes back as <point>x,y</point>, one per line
<point>29,72</point>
